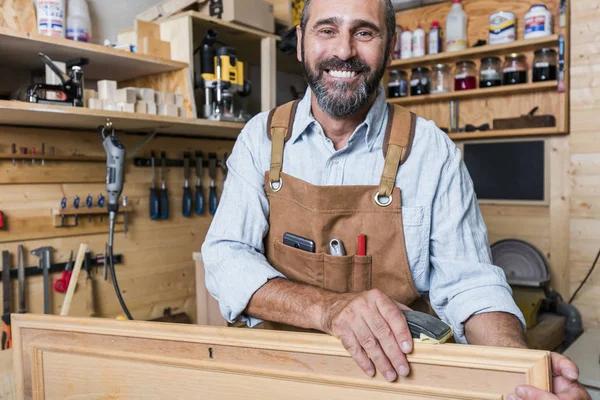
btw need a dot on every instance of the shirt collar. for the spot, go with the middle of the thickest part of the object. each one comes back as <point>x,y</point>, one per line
<point>374,120</point>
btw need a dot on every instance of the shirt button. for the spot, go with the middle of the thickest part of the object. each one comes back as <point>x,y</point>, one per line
<point>335,161</point>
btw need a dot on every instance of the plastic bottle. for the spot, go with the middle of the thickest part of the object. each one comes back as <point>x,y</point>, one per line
<point>79,26</point>
<point>51,17</point>
<point>456,28</point>
<point>538,22</point>
<point>407,41</point>
<point>435,38</point>
<point>419,42</point>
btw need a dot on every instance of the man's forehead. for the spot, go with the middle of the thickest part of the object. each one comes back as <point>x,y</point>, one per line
<point>346,11</point>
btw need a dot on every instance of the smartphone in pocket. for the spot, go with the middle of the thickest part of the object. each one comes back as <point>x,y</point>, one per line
<point>299,242</point>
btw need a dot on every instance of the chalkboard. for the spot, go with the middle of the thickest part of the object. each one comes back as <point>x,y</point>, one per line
<point>507,170</point>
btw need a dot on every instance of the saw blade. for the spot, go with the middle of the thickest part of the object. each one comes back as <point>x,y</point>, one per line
<point>522,263</point>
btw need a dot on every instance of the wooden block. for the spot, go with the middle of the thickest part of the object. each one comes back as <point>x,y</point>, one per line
<point>152,108</point>
<point>141,107</point>
<point>18,15</point>
<point>181,112</point>
<point>127,37</point>
<point>169,98</point>
<point>179,100</point>
<point>168,110</point>
<point>109,105</point>
<point>145,94</point>
<point>106,89</point>
<point>90,94</point>
<point>126,95</point>
<point>126,107</point>
<point>158,97</point>
<point>146,29</point>
<point>154,47</point>
<point>95,104</point>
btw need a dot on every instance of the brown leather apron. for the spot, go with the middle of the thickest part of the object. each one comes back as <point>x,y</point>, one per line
<point>321,213</point>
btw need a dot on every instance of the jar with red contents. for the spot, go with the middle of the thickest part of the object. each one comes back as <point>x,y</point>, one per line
<point>465,76</point>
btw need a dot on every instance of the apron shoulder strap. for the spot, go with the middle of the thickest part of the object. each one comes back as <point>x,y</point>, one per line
<point>279,131</point>
<point>399,135</point>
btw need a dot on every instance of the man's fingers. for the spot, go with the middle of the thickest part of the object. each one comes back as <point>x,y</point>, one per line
<point>371,345</point>
<point>562,366</point>
<point>390,310</point>
<point>387,340</point>
<point>531,393</point>
<point>354,348</point>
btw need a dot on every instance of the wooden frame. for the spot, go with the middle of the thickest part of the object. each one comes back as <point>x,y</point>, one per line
<point>61,357</point>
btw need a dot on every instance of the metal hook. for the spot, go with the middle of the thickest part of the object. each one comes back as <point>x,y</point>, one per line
<point>108,125</point>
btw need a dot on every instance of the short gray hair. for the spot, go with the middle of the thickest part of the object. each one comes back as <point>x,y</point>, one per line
<point>390,20</point>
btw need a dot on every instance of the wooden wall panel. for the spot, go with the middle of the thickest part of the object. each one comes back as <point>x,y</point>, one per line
<point>585,156</point>
<point>158,270</point>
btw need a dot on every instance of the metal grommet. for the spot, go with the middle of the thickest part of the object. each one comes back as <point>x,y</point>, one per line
<point>379,203</point>
<point>278,183</point>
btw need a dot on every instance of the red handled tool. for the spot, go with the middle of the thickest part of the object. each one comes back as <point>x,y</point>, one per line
<point>362,245</point>
<point>61,285</point>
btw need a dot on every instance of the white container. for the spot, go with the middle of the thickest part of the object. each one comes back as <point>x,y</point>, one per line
<point>538,22</point>
<point>398,46</point>
<point>79,25</point>
<point>51,17</point>
<point>456,28</point>
<point>407,40</point>
<point>419,42</point>
<point>503,27</point>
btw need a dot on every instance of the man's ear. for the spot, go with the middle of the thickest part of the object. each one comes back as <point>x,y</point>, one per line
<point>299,44</point>
<point>392,47</point>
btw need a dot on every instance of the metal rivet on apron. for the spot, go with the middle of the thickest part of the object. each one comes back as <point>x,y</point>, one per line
<point>383,204</point>
<point>278,185</point>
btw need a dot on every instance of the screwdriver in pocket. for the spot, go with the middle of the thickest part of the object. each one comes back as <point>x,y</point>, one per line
<point>154,202</point>
<point>199,200</point>
<point>164,192</point>
<point>186,201</point>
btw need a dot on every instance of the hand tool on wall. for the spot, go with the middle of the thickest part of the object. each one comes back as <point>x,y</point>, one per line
<point>63,206</point>
<point>186,200</point>
<point>21,277</point>
<point>23,152</point>
<point>33,154</point>
<point>13,150</point>
<point>101,205</point>
<point>43,153</point>
<point>1,220</point>
<point>124,203</point>
<point>89,203</point>
<point>61,284</point>
<point>212,195</point>
<point>115,168</point>
<point>164,192</point>
<point>199,199</point>
<point>154,195</point>
<point>76,202</point>
<point>44,254</point>
<point>64,311</point>
<point>6,332</point>
<point>68,93</point>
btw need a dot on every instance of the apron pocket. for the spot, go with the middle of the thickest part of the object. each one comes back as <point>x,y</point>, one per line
<point>298,265</point>
<point>347,273</point>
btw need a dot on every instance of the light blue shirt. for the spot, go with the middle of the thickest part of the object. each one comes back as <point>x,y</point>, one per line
<point>446,238</point>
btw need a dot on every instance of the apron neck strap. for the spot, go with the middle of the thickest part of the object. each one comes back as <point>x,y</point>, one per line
<point>399,135</point>
<point>279,131</point>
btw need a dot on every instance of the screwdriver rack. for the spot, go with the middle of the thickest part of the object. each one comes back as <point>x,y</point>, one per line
<point>58,214</point>
<point>52,158</point>
<point>169,162</point>
<point>96,261</point>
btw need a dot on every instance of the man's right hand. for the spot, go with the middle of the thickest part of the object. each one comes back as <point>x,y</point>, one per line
<point>373,329</point>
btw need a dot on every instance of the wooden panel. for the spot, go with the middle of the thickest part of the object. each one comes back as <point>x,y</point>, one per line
<point>55,357</point>
<point>18,15</point>
<point>158,271</point>
<point>207,307</point>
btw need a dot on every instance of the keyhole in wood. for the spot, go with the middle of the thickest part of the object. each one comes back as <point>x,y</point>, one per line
<point>210,353</point>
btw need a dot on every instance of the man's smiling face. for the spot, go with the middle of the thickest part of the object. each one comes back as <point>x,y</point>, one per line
<point>343,53</point>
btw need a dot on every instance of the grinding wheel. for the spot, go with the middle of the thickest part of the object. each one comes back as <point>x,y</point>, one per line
<point>522,263</point>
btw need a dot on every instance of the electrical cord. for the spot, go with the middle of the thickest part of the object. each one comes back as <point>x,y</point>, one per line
<point>586,278</point>
<point>112,267</point>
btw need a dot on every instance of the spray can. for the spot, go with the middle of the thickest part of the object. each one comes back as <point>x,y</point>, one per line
<point>51,17</point>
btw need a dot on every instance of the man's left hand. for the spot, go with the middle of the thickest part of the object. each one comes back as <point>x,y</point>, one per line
<point>564,383</point>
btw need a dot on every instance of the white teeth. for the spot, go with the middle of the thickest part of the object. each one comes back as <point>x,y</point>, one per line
<point>342,74</point>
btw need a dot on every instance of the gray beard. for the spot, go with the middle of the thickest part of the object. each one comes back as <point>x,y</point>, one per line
<point>335,102</point>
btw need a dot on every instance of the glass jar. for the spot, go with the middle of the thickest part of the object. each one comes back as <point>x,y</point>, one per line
<point>420,81</point>
<point>465,76</point>
<point>490,73</point>
<point>515,69</point>
<point>398,84</point>
<point>441,81</point>
<point>544,65</point>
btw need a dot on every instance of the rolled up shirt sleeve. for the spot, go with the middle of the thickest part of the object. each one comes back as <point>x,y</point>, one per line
<point>233,251</point>
<point>463,280</point>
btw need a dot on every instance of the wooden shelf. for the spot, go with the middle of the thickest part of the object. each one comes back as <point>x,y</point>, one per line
<point>62,117</point>
<point>226,30</point>
<point>506,133</point>
<point>19,51</point>
<point>475,93</point>
<point>39,156</point>
<point>477,52</point>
